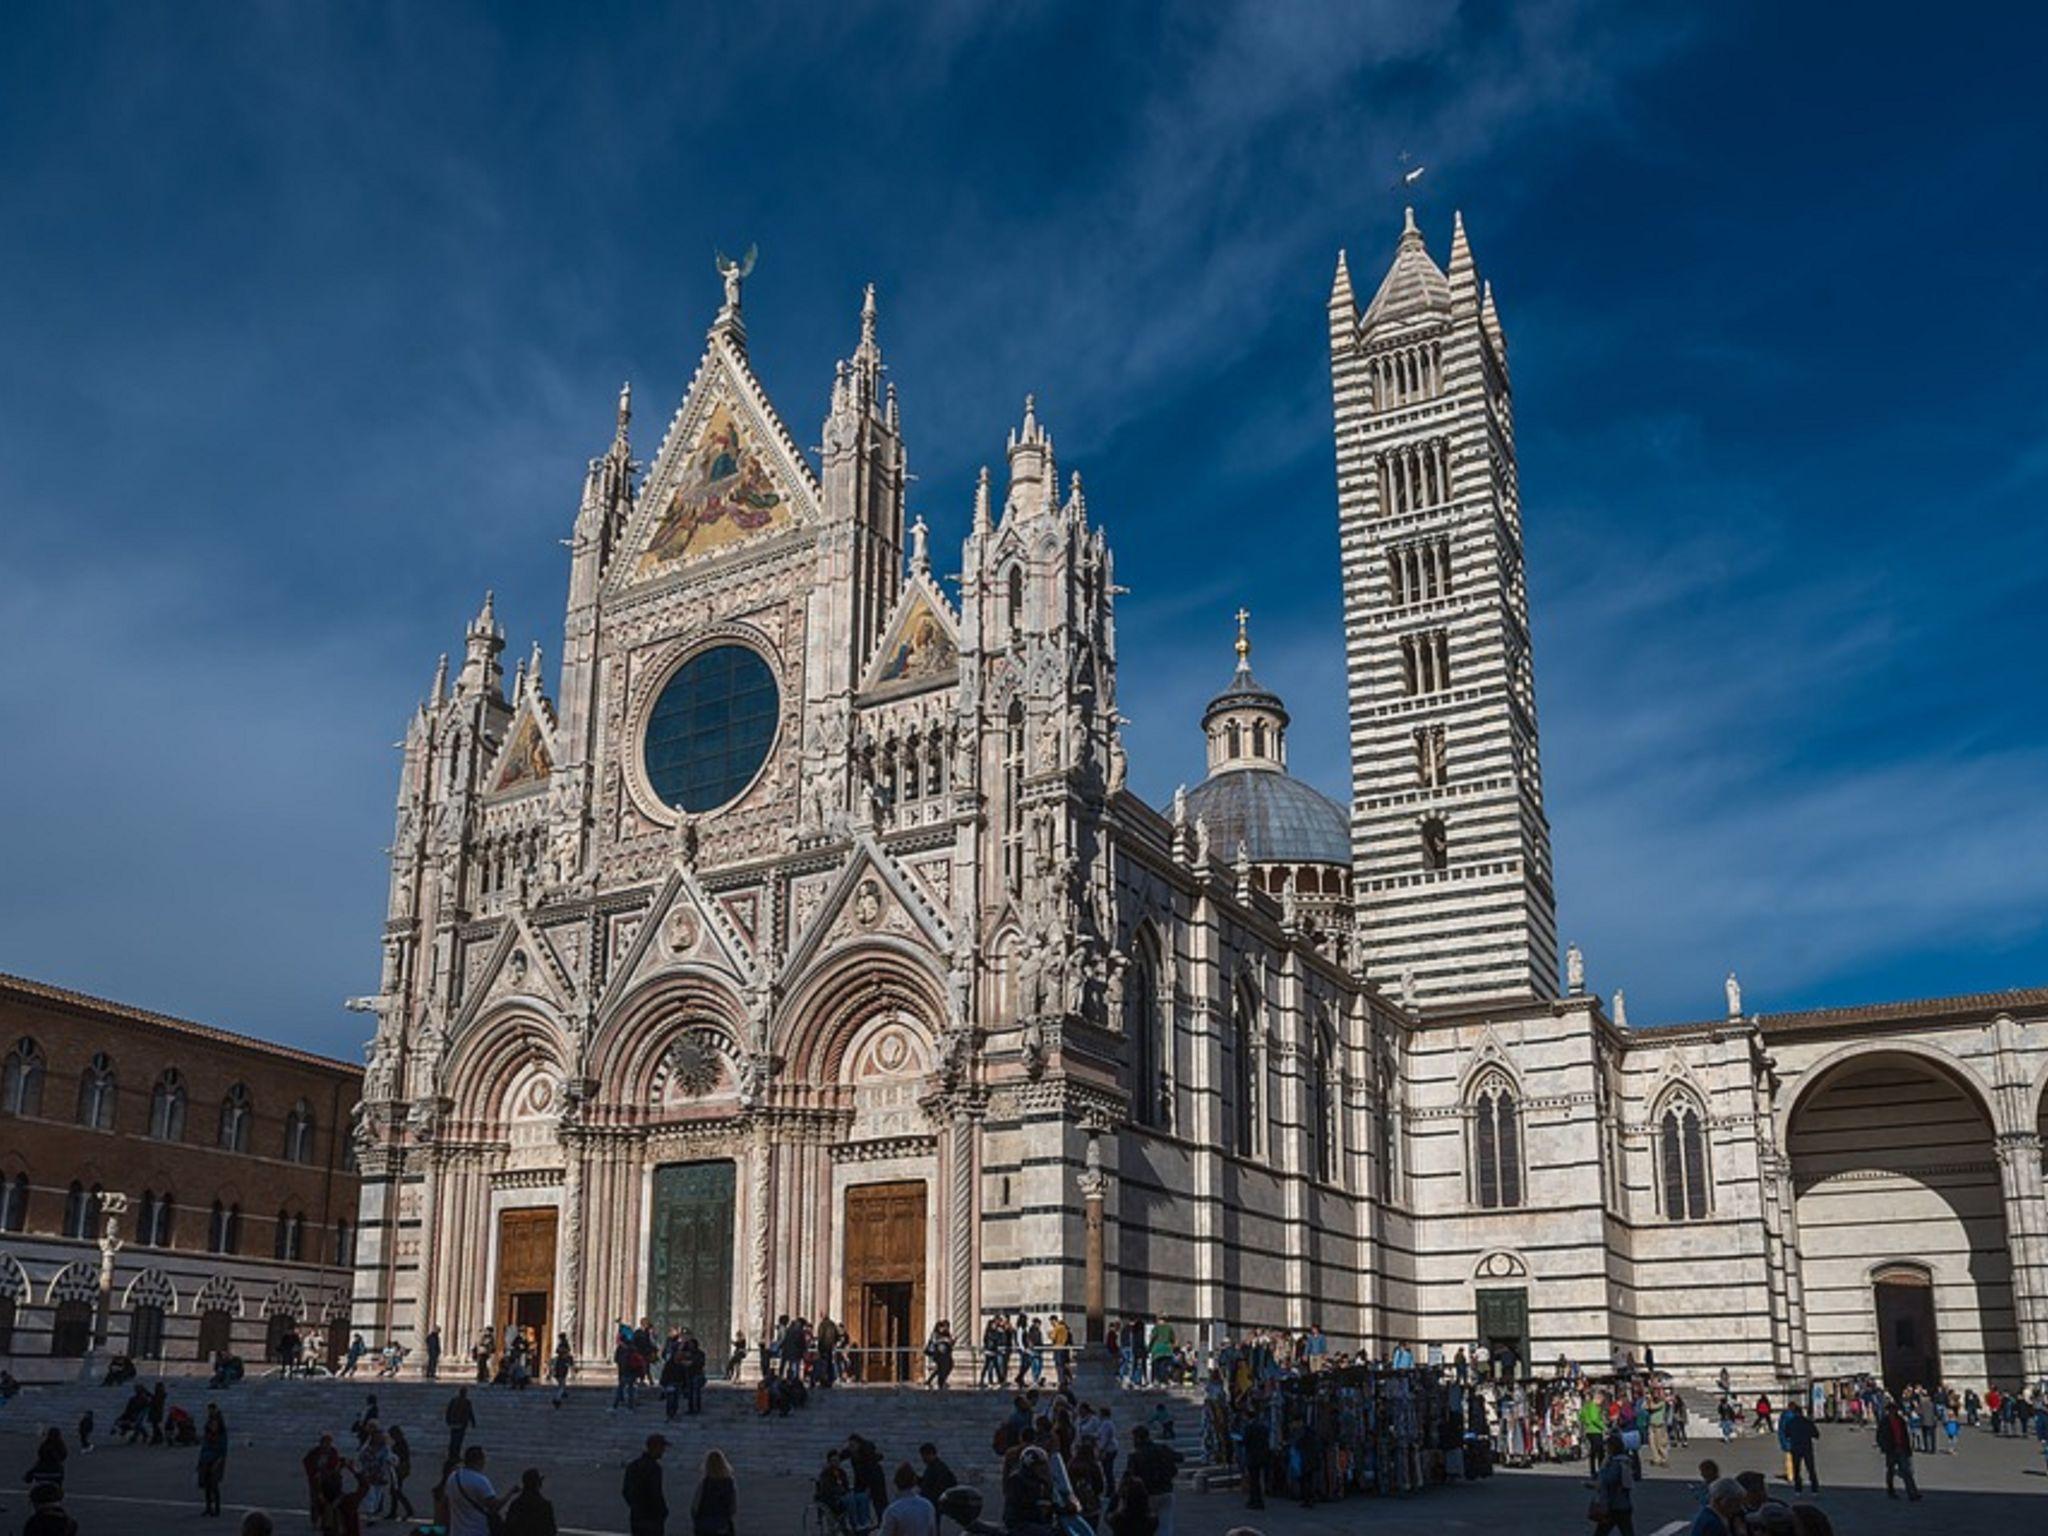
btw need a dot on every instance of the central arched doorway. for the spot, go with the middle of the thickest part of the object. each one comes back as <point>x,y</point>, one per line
<point>1900,1210</point>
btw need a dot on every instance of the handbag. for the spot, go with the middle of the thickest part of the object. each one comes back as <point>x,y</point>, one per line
<point>1597,1510</point>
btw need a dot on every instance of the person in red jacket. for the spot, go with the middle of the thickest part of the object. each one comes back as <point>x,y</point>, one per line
<point>1895,1442</point>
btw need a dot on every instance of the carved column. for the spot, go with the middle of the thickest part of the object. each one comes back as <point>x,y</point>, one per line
<point>964,1146</point>
<point>761,1216</point>
<point>568,1314</point>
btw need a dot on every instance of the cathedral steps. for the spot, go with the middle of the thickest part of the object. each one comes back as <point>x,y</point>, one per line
<point>519,1429</point>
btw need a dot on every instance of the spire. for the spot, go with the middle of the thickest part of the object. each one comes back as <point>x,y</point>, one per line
<point>625,413</point>
<point>867,319</point>
<point>1077,502</point>
<point>533,670</point>
<point>1032,481</point>
<point>1489,318</point>
<point>1341,296</point>
<point>1244,640</point>
<point>440,692</point>
<point>484,641</point>
<point>981,513</point>
<point>1414,287</point>
<point>1463,272</point>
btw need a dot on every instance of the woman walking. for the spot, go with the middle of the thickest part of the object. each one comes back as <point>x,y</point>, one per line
<point>1613,1506</point>
<point>939,1352</point>
<point>559,1367</point>
<point>716,1503</point>
<point>401,1469</point>
<point>213,1457</point>
<point>48,1471</point>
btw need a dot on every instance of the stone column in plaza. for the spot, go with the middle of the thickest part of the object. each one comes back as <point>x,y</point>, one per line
<point>2026,1231</point>
<point>113,1205</point>
<point>1094,1185</point>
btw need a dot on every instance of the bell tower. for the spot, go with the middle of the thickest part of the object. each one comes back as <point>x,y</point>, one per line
<point>1450,845</point>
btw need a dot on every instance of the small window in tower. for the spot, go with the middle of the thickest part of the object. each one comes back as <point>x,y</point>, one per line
<point>1436,844</point>
<point>1258,738</point>
<point>1431,762</point>
<point>1016,597</point>
<point>1233,742</point>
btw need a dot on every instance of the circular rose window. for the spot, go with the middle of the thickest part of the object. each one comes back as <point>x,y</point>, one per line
<point>711,728</point>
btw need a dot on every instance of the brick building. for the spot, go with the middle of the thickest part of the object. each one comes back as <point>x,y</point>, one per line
<point>234,1157</point>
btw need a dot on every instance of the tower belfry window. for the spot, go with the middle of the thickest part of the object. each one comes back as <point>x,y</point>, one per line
<point>1426,661</point>
<point>1431,757</point>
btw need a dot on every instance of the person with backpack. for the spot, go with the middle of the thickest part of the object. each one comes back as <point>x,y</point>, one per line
<point>473,1504</point>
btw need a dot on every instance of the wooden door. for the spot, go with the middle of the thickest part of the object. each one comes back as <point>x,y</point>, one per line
<point>1504,1327</point>
<point>526,1274</point>
<point>884,1307</point>
<point>689,1259</point>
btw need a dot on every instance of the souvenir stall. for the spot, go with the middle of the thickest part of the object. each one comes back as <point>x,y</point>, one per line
<point>1369,1430</point>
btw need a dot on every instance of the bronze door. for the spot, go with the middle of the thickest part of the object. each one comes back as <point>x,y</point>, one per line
<point>885,1236</point>
<point>689,1261</point>
<point>526,1275</point>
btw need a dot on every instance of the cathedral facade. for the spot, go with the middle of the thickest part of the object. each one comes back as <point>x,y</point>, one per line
<point>807,953</point>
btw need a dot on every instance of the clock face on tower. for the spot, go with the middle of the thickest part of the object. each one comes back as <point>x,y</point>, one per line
<point>711,727</point>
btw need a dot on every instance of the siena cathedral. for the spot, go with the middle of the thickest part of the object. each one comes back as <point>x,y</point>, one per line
<point>807,952</point>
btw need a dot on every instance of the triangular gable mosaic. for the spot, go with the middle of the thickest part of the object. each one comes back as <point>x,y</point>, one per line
<point>527,759</point>
<point>921,648</point>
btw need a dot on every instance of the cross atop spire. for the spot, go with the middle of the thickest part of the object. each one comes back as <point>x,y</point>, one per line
<point>1244,639</point>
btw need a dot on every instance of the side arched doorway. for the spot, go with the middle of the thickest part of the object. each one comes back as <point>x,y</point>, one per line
<point>1900,1210</point>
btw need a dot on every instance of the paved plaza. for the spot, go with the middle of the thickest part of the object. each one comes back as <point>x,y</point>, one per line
<point>1992,1483</point>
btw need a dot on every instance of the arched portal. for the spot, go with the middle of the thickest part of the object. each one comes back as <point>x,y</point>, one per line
<point>1901,1219</point>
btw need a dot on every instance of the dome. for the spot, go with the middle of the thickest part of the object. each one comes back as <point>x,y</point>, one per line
<point>1279,819</point>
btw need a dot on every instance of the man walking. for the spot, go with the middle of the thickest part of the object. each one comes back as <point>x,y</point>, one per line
<point>461,1417</point>
<point>1796,1433</point>
<point>646,1507</point>
<point>1256,1444</point>
<point>1895,1443</point>
<point>1156,1466</point>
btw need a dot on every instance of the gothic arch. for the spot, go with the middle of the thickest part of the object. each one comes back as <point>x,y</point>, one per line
<point>14,1280</point>
<point>480,1073</point>
<point>151,1288</point>
<point>630,1049</point>
<point>823,1017</point>
<point>220,1294</point>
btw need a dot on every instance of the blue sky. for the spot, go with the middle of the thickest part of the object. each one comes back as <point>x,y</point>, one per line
<point>311,317</point>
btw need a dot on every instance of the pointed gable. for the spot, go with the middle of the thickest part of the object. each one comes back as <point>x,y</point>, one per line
<point>921,647</point>
<point>728,475</point>
<point>528,755</point>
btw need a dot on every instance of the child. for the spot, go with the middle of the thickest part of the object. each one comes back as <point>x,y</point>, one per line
<point>1710,1471</point>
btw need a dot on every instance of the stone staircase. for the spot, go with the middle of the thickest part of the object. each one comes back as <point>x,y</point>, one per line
<point>523,1428</point>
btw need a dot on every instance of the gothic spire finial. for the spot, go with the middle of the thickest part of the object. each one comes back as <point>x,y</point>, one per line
<point>1408,223</point>
<point>625,407</point>
<point>441,679</point>
<point>981,511</point>
<point>867,317</point>
<point>1244,639</point>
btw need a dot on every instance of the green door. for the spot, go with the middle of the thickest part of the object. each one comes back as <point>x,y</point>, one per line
<point>689,1263</point>
<point>1504,1326</point>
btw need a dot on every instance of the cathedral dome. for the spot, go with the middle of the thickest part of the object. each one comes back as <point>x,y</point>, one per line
<point>1249,797</point>
<point>1279,819</point>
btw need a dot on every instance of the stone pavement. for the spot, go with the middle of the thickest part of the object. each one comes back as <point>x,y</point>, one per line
<point>1992,1484</point>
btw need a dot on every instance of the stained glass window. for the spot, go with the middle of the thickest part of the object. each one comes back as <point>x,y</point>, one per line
<point>711,728</point>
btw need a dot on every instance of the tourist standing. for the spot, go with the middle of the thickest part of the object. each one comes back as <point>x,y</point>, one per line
<point>910,1513</point>
<point>716,1504</point>
<point>1796,1433</point>
<point>528,1512</point>
<point>471,1500</point>
<point>1160,1347</point>
<point>1156,1466</point>
<point>938,1351</point>
<point>646,1505</point>
<point>1255,1444</point>
<point>1895,1443</point>
<point>434,1353</point>
<point>213,1457</point>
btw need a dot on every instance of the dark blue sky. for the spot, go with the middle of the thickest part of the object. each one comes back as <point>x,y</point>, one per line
<point>309,319</point>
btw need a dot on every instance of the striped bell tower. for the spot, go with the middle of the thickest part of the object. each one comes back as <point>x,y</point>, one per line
<point>1450,846</point>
